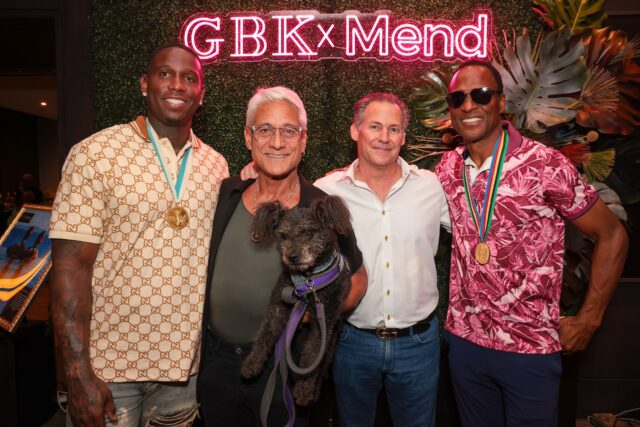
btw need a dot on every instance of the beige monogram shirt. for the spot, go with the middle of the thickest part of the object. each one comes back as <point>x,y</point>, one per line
<point>148,278</point>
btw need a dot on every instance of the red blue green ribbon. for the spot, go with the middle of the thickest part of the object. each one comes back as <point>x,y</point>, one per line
<point>483,219</point>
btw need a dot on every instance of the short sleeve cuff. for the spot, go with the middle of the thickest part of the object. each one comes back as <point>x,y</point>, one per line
<point>67,235</point>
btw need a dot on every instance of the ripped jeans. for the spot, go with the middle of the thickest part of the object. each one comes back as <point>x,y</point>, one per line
<point>150,404</point>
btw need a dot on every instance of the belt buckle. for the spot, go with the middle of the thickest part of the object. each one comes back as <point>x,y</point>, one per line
<point>386,334</point>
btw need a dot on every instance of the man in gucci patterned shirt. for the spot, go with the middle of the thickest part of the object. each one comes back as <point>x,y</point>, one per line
<point>131,225</point>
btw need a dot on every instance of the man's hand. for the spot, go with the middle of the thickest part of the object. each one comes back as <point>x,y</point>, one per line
<point>358,289</point>
<point>249,172</point>
<point>88,401</point>
<point>575,333</point>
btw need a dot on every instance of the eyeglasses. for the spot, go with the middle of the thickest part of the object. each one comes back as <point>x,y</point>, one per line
<point>479,95</point>
<point>264,133</point>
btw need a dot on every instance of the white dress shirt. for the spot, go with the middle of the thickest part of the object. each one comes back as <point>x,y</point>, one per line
<point>398,239</point>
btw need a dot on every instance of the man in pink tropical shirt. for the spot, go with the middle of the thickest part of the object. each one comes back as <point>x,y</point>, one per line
<point>508,198</point>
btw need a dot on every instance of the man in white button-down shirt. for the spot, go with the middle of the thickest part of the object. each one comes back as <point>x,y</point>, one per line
<point>391,338</point>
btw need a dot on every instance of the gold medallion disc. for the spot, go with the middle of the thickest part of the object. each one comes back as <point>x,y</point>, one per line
<point>482,253</point>
<point>177,217</point>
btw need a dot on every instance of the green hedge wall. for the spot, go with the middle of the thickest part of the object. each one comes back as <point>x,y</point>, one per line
<point>125,33</point>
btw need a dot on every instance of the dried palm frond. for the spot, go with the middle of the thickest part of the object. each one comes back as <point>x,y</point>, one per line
<point>427,147</point>
<point>603,48</point>
<point>629,50</point>
<point>600,91</point>
<point>599,164</point>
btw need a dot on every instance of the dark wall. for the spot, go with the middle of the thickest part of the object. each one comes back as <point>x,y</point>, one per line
<point>71,64</point>
<point>19,145</point>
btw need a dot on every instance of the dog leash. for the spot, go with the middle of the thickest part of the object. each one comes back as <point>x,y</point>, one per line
<point>320,277</point>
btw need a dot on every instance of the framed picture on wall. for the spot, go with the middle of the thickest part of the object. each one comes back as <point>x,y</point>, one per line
<point>25,260</point>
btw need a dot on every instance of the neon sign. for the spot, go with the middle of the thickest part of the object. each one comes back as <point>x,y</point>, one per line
<point>351,35</point>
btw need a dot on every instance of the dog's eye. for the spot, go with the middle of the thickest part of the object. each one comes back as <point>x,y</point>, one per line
<point>281,235</point>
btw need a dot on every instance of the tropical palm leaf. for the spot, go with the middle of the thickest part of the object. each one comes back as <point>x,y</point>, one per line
<point>573,15</point>
<point>539,94</point>
<point>428,97</point>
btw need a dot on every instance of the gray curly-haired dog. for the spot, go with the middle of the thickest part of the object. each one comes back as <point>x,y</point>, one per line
<point>307,239</point>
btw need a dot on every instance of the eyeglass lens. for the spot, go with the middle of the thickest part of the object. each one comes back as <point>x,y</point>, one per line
<point>267,132</point>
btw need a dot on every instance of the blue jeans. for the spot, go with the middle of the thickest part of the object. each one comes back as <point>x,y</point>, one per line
<point>153,403</point>
<point>407,367</point>
<point>498,388</point>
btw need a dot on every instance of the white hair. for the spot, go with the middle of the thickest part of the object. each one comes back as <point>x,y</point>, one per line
<point>276,93</point>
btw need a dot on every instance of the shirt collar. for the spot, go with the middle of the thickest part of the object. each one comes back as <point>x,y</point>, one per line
<point>306,188</point>
<point>139,125</point>
<point>406,169</point>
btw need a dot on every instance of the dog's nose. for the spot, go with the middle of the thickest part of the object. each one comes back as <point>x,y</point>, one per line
<point>293,258</point>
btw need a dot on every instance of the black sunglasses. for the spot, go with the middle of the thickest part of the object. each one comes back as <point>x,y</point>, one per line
<point>479,95</point>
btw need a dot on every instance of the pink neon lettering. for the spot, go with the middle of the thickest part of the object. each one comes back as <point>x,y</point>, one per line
<point>256,36</point>
<point>405,40</point>
<point>310,36</point>
<point>479,32</point>
<point>325,35</point>
<point>193,28</point>
<point>355,33</point>
<point>430,33</point>
<point>285,35</point>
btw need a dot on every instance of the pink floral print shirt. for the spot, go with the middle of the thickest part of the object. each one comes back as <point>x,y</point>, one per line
<point>512,302</point>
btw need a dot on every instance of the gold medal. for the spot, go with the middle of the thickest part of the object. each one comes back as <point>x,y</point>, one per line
<point>482,253</point>
<point>177,217</point>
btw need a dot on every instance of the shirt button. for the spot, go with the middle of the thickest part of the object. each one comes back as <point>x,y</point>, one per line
<point>388,265</point>
<point>388,317</point>
<point>238,350</point>
<point>383,212</point>
<point>388,292</point>
<point>386,238</point>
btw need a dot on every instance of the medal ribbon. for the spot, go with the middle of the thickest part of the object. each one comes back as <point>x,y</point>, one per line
<point>183,167</point>
<point>483,220</point>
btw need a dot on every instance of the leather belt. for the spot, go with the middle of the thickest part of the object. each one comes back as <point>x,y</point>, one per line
<point>391,333</point>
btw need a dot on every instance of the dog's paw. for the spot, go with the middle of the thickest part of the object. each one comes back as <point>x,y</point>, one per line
<point>250,369</point>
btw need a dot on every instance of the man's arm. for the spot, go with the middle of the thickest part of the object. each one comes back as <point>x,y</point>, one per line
<point>89,399</point>
<point>357,291</point>
<point>611,243</point>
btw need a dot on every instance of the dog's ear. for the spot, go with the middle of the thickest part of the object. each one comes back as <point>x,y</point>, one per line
<point>331,212</point>
<point>266,221</point>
